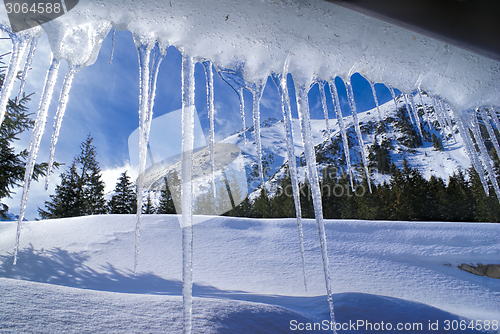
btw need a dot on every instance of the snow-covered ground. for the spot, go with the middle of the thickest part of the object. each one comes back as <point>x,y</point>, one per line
<point>75,275</point>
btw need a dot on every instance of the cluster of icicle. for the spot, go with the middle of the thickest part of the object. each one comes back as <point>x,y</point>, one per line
<point>150,55</point>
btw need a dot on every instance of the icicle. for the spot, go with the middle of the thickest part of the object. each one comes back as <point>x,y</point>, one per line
<point>491,132</point>
<point>18,49</point>
<point>496,121</point>
<point>408,109</point>
<point>27,66</point>
<point>472,153</point>
<point>445,115</point>
<point>281,85</point>
<point>391,89</point>
<point>484,154</point>
<point>257,94</point>
<point>242,113</point>
<point>237,83</point>
<point>143,50</point>
<point>112,47</point>
<point>61,109</point>
<point>186,188</point>
<point>36,137</point>
<point>415,114</point>
<point>350,96</point>
<point>323,104</point>
<point>340,121</point>
<point>447,118</point>
<point>374,92</point>
<point>438,114</point>
<point>427,117</point>
<point>209,78</point>
<point>305,128</point>
<point>442,125</point>
<point>158,56</point>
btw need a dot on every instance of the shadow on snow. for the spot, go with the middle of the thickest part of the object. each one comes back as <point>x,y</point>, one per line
<point>58,266</point>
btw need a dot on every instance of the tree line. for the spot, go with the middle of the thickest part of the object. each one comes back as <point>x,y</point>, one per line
<point>81,191</point>
<point>406,196</point>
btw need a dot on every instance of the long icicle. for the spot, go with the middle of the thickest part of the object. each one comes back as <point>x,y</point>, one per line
<point>305,128</point>
<point>375,98</point>
<point>408,109</point>
<point>415,114</point>
<point>186,189</point>
<point>112,47</point>
<point>281,85</point>
<point>352,103</point>
<point>484,154</point>
<point>257,94</point>
<point>472,153</point>
<point>321,85</point>
<point>496,121</point>
<point>36,137</point>
<point>242,114</point>
<point>437,111</point>
<point>209,79</point>
<point>61,109</point>
<point>443,114</point>
<point>27,66</point>
<point>440,121</point>
<point>491,132</point>
<point>393,94</point>
<point>18,49</point>
<point>158,56</point>
<point>340,122</point>
<point>143,50</point>
<point>424,108</point>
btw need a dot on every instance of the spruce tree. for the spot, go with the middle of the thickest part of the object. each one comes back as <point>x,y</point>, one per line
<point>148,207</point>
<point>437,143</point>
<point>81,186</point>
<point>166,205</point>
<point>124,201</point>
<point>66,202</point>
<point>459,201</point>
<point>262,205</point>
<point>17,120</point>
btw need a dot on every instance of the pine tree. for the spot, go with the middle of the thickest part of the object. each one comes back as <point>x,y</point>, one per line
<point>459,201</point>
<point>66,202</point>
<point>92,184</point>
<point>166,205</point>
<point>262,205</point>
<point>81,191</point>
<point>124,201</point>
<point>13,164</point>
<point>486,206</point>
<point>282,205</point>
<point>437,143</point>
<point>148,207</point>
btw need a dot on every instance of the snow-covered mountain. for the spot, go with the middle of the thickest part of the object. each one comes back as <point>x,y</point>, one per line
<point>404,137</point>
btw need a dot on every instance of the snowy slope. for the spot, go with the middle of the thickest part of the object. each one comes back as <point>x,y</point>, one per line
<point>426,158</point>
<point>247,274</point>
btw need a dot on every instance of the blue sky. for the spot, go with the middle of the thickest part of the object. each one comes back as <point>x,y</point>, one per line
<point>104,102</point>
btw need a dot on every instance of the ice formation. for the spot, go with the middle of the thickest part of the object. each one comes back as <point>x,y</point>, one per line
<point>345,141</point>
<point>352,103</point>
<point>316,41</point>
<point>324,106</point>
<point>281,84</point>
